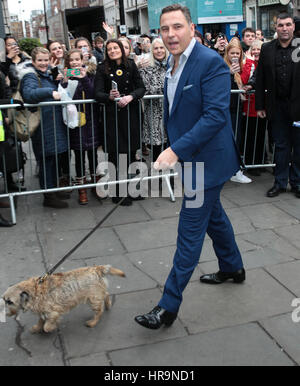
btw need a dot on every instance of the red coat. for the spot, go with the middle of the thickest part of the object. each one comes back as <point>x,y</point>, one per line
<point>248,70</point>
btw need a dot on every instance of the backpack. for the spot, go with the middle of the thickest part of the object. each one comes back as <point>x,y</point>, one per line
<point>23,123</point>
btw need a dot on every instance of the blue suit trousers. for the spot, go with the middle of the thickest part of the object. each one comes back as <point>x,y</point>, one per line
<point>194,223</point>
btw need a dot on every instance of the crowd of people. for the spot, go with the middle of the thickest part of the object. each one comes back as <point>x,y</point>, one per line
<point>115,69</point>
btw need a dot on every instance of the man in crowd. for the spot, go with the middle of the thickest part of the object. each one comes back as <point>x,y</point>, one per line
<point>278,72</point>
<point>248,37</point>
<point>259,35</point>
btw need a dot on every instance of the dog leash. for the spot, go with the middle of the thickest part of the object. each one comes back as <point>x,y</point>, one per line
<point>66,256</point>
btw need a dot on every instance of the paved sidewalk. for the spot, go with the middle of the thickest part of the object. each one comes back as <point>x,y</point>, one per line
<point>230,324</point>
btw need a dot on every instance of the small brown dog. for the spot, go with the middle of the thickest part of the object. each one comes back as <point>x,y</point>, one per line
<point>59,293</point>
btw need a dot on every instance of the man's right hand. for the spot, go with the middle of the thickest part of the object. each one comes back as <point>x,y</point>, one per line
<point>261,114</point>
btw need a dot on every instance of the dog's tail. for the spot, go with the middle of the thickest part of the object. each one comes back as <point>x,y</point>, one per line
<point>109,270</point>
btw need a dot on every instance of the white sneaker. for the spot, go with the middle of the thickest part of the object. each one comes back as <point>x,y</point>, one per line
<point>240,178</point>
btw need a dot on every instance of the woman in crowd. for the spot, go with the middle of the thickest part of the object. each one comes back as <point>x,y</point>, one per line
<point>154,76</point>
<point>57,65</point>
<point>3,137</point>
<point>253,128</point>
<point>57,53</point>
<point>118,77</point>
<point>14,57</point>
<point>198,36</point>
<point>127,46</point>
<point>234,59</point>
<point>86,138</point>
<point>38,85</point>
<point>85,46</point>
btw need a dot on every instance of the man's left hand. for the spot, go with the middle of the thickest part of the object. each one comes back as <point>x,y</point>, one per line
<point>166,160</point>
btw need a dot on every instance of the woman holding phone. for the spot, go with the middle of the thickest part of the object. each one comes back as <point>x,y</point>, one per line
<point>234,59</point>
<point>14,57</point>
<point>86,138</point>
<point>121,138</point>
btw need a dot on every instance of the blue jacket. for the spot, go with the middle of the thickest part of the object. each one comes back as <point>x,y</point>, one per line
<point>38,87</point>
<point>199,126</point>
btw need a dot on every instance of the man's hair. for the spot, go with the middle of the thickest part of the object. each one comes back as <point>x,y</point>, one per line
<point>177,7</point>
<point>247,29</point>
<point>258,29</point>
<point>146,36</point>
<point>284,15</point>
<point>98,39</point>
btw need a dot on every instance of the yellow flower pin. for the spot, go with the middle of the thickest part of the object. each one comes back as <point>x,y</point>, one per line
<point>119,72</point>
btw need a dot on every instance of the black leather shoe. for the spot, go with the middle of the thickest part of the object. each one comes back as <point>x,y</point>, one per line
<point>5,223</point>
<point>156,318</point>
<point>275,191</point>
<point>296,190</point>
<point>220,277</point>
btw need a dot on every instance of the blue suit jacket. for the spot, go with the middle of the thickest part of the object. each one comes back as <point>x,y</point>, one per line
<point>199,126</point>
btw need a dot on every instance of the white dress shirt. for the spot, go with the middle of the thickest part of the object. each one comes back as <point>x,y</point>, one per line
<point>174,79</point>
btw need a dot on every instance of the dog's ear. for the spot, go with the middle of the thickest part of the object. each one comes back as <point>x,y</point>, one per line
<point>24,297</point>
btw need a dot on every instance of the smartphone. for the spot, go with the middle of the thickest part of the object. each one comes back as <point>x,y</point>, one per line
<point>234,60</point>
<point>132,55</point>
<point>84,50</point>
<point>73,72</point>
<point>114,85</point>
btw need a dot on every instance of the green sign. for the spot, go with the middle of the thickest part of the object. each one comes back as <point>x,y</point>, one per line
<point>202,11</point>
<point>220,11</point>
<point>155,7</point>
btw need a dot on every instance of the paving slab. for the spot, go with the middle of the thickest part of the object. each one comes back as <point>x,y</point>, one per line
<point>246,345</point>
<point>268,216</point>
<point>286,332</point>
<point>290,233</point>
<point>288,274</point>
<point>207,307</point>
<point>142,236</point>
<point>90,360</point>
<point>103,242</point>
<point>117,328</point>
<point>18,347</point>
<point>123,215</point>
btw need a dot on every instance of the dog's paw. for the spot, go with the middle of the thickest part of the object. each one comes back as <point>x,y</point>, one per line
<point>49,328</point>
<point>36,329</point>
<point>91,323</point>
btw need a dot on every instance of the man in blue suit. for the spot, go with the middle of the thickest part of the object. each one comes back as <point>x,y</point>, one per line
<point>197,118</point>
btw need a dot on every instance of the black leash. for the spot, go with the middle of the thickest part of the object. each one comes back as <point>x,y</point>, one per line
<point>52,270</point>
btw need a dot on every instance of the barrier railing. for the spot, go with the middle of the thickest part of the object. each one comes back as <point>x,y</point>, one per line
<point>63,166</point>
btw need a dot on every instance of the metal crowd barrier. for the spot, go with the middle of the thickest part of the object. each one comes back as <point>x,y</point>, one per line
<point>93,183</point>
<point>241,125</point>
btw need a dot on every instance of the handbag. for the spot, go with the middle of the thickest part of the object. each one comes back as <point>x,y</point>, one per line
<point>23,123</point>
<point>81,115</point>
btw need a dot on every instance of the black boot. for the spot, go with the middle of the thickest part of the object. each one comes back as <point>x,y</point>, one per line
<point>52,201</point>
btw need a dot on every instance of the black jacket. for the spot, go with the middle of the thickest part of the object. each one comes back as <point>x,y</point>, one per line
<point>266,81</point>
<point>10,69</point>
<point>129,83</point>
